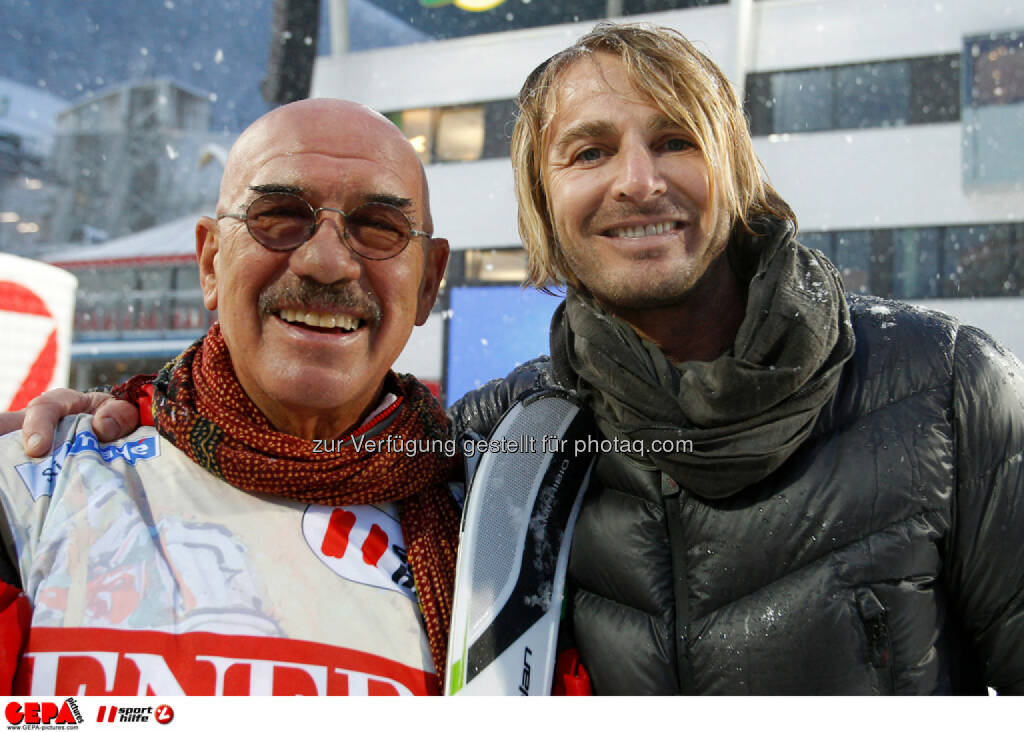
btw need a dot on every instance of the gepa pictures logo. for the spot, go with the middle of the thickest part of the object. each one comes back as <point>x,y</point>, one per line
<point>37,714</point>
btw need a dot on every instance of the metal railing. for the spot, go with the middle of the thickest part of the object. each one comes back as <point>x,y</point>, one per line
<point>137,314</point>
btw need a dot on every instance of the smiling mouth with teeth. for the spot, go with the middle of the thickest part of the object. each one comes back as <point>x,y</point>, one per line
<point>320,320</point>
<point>635,232</point>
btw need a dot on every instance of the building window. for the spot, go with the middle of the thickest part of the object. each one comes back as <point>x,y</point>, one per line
<point>993,109</point>
<point>495,265</point>
<point>853,258</point>
<point>418,127</point>
<point>979,260</point>
<point>383,23</point>
<point>934,89</point>
<point>916,264</point>
<point>876,94</point>
<point>802,100</point>
<point>499,120</point>
<point>871,95</point>
<point>820,240</point>
<point>459,134</point>
<point>996,69</point>
<point>123,302</point>
<point>982,261</point>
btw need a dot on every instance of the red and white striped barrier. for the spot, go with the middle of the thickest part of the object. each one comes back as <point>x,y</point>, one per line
<point>36,305</point>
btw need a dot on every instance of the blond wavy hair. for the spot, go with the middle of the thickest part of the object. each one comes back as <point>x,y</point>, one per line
<point>686,86</point>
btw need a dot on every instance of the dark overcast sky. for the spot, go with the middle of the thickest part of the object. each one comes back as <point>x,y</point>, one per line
<point>72,47</point>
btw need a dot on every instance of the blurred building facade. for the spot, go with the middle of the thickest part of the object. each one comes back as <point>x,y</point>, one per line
<point>892,128</point>
<point>131,169</point>
<point>28,121</point>
<point>130,158</point>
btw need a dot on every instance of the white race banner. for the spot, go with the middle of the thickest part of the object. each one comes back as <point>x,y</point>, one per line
<point>37,302</point>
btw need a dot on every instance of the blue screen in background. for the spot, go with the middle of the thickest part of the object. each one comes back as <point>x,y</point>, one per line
<point>491,331</point>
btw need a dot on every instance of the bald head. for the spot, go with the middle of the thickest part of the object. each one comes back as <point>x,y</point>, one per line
<point>313,330</point>
<point>333,127</point>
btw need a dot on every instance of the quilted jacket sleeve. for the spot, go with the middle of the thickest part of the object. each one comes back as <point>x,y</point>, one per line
<point>479,410</point>
<point>986,560</point>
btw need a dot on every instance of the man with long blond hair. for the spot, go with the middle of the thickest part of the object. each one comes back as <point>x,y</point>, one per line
<point>812,493</point>
<point>807,492</point>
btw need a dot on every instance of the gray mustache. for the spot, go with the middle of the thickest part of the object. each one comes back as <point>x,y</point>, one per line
<point>311,295</point>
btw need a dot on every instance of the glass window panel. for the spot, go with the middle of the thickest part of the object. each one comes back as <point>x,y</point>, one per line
<point>1016,285</point>
<point>934,89</point>
<point>89,280</point>
<point>151,301</point>
<point>119,280</point>
<point>193,113</point>
<point>853,258</point>
<point>880,280</point>
<point>636,7</point>
<point>499,119</point>
<point>155,278</point>
<point>186,277</point>
<point>916,272</point>
<point>460,134</point>
<point>417,126</point>
<point>872,95</point>
<point>759,104</point>
<point>384,23</point>
<point>186,310</point>
<point>980,261</point>
<point>802,100</point>
<point>143,114</point>
<point>496,265</point>
<point>395,22</point>
<point>820,240</point>
<point>997,70</point>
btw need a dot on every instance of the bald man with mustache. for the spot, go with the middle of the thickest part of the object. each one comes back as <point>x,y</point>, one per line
<point>218,550</point>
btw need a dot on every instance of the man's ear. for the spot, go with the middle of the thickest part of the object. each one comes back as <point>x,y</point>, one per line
<point>435,261</point>
<point>206,252</point>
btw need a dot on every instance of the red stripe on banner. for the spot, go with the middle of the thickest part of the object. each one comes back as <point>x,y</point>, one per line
<point>15,616</point>
<point>15,298</point>
<point>39,375</point>
<point>339,526</point>
<point>375,545</point>
<point>103,662</point>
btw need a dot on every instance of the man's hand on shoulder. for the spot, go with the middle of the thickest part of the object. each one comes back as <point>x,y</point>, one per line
<point>112,418</point>
<point>10,421</point>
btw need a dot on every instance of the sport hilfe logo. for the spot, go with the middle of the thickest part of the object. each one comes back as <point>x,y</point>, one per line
<point>162,714</point>
<point>43,713</point>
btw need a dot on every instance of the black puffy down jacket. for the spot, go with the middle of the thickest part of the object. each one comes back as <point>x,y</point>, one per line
<point>885,556</point>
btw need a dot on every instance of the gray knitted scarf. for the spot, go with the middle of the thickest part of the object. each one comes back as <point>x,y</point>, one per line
<point>748,410</point>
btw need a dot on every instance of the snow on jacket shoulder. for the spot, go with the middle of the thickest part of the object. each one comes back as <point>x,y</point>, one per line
<point>884,556</point>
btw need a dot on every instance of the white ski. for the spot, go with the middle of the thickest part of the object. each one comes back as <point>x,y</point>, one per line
<point>514,549</point>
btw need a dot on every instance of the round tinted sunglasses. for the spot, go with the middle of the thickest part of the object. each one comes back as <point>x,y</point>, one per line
<point>284,221</point>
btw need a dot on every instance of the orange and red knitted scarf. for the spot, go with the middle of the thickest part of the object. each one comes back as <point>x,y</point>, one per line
<point>200,407</point>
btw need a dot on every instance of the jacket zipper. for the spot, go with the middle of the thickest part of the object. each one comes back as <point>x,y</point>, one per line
<point>672,497</point>
<point>876,624</point>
